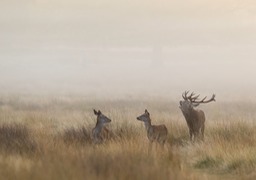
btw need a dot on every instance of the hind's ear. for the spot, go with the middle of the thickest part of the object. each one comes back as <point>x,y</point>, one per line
<point>99,112</point>
<point>146,111</point>
<point>95,112</point>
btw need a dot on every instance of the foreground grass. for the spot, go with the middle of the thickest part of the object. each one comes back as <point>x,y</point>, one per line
<point>50,139</point>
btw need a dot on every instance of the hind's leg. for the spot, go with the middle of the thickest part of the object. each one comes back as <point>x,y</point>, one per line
<point>162,144</point>
<point>150,147</point>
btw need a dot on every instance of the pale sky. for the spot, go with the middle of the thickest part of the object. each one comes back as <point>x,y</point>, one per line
<point>128,47</point>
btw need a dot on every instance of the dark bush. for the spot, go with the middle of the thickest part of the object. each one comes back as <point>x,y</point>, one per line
<point>16,138</point>
<point>80,135</point>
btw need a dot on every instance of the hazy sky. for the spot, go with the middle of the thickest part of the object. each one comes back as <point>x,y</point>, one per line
<point>128,47</point>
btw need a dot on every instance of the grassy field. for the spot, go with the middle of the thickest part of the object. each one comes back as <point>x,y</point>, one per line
<point>49,138</point>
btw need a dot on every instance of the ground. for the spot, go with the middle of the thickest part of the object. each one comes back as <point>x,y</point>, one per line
<point>46,137</point>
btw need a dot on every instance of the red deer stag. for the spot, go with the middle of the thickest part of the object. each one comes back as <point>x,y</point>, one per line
<point>195,118</point>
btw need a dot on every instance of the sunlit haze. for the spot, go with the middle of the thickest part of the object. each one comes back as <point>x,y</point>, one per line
<point>120,48</point>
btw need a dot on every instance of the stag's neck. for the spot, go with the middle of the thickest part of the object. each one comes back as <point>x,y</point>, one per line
<point>189,116</point>
<point>191,111</point>
<point>148,124</point>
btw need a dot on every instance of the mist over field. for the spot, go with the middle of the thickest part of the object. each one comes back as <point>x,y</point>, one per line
<point>120,48</point>
<point>79,77</point>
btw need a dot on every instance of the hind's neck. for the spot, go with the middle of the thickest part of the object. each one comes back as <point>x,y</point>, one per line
<point>148,124</point>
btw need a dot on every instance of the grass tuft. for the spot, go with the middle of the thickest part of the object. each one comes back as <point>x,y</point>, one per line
<point>207,162</point>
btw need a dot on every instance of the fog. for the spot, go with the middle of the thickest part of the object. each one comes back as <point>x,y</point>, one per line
<point>121,48</point>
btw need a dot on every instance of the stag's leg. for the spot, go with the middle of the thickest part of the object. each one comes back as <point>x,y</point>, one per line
<point>202,132</point>
<point>190,134</point>
<point>196,136</point>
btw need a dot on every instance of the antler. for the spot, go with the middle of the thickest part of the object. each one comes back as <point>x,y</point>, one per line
<point>193,97</point>
<point>203,100</point>
<point>184,95</point>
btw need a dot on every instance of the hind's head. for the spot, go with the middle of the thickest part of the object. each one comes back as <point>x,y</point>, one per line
<point>145,117</point>
<point>101,118</point>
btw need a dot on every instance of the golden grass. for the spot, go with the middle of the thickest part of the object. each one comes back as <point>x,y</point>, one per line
<point>49,138</point>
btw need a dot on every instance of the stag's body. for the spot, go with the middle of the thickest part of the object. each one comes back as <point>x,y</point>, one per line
<point>155,133</point>
<point>195,118</point>
<point>100,132</point>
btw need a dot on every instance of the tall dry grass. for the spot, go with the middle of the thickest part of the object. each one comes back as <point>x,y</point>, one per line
<point>50,138</point>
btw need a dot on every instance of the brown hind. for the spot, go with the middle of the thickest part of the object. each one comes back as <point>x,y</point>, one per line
<point>100,132</point>
<point>155,133</point>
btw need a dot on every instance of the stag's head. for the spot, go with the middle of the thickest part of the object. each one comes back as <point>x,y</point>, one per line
<point>192,100</point>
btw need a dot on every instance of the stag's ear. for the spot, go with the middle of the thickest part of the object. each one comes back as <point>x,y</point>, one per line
<point>99,112</point>
<point>95,112</point>
<point>196,104</point>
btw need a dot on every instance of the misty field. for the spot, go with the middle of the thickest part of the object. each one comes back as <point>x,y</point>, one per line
<point>50,138</point>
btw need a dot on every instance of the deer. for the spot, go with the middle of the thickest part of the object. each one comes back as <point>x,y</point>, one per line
<point>195,118</point>
<point>155,133</point>
<point>100,132</point>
